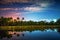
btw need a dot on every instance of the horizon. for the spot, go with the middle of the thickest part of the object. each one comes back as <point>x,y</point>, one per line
<point>47,20</point>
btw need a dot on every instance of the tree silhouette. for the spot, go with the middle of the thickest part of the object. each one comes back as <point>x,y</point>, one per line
<point>22,18</point>
<point>5,21</point>
<point>18,18</point>
<point>9,21</point>
<point>52,22</point>
<point>58,21</point>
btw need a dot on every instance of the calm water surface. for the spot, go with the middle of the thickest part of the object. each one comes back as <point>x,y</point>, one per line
<point>34,35</point>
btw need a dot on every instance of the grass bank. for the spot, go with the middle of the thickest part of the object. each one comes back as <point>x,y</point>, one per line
<point>28,28</point>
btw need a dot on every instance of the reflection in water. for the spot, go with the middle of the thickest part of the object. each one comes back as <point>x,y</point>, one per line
<point>58,30</point>
<point>18,35</point>
<point>4,33</point>
<point>49,30</point>
<point>47,34</point>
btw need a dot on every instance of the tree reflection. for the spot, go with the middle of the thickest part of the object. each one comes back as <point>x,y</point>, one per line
<point>58,30</point>
<point>4,33</point>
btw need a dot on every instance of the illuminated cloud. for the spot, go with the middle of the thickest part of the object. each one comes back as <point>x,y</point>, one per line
<point>33,9</point>
<point>48,20</point>
<point>44,4</point>
<point>11,8</point>
<point>54,20</point>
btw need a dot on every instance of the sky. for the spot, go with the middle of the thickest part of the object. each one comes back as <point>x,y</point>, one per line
<point>34,10</point>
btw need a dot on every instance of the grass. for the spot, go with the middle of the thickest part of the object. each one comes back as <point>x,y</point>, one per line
<point>28,28</point>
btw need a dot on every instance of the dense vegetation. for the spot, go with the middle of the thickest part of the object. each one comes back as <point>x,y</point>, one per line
<point>17,22</point>
<point>10,24</point>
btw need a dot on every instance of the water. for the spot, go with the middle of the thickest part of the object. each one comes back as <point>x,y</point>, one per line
<point>34,35</point>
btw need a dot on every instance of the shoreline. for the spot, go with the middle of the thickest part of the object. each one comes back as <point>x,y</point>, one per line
<point>31,27</point>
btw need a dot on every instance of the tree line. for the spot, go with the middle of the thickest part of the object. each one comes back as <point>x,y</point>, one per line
<point>17,22</point>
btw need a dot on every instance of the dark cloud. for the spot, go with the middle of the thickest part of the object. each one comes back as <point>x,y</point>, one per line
<point>13,1</point>
<point>11,5</point>
<point>21,5</point>
<point>25,1</point>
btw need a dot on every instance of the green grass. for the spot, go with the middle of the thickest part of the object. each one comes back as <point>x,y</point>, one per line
<point>28,28</point>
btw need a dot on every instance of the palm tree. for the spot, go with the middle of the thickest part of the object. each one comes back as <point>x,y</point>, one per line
<point>22,18</point>
<point>11,18</point>
<point>18,19</point>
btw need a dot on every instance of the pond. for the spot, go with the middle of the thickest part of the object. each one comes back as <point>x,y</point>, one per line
<point>47,34</point>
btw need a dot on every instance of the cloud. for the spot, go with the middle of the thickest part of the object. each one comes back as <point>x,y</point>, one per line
<point>48,20</point>
<point>13,1</point>
<point>26,1</point>
<point>11,8</point>
<point>25,9</point>
<point>31,6</point>
<point>33,9</point>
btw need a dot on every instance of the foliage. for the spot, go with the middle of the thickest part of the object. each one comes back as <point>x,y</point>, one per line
<point>17,22</point>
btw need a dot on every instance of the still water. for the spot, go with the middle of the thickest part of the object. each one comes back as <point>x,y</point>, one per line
<point>34,35</point>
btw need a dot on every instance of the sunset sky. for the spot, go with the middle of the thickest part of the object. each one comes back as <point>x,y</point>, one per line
<point>34,10</point>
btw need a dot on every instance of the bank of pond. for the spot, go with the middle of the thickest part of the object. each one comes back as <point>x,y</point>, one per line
<point>28,28</point>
